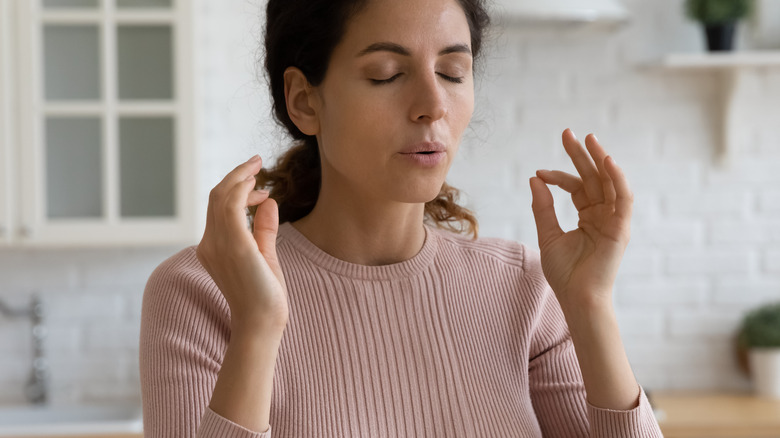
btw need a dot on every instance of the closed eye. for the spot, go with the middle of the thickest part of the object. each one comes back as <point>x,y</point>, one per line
<point>451,79</point>
<point>385,81</point>
<point>393,78</point>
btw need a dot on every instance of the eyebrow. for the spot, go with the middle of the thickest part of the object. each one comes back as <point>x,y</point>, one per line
<point>401,50</point>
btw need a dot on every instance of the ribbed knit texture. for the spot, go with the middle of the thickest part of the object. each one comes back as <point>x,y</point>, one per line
<point>465,339</point>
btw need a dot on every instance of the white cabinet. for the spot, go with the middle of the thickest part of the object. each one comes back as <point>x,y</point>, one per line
<point>560,11</point>
<point>102,152</point>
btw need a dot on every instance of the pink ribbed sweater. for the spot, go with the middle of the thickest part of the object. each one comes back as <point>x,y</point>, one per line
<point>465,339</point>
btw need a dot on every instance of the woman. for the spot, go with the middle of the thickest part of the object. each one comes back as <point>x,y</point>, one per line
<point>352,307</point>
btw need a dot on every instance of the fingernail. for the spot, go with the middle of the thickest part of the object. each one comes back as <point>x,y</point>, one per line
<point>255,158</point>
<point>250,177</point>
<point>263,192</point>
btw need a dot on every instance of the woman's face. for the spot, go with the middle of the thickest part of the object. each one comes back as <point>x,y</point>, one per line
<point>421,51</point>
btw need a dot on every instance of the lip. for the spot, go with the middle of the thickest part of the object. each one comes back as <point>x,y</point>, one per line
<point>425,146</point>
<point>429,160</point>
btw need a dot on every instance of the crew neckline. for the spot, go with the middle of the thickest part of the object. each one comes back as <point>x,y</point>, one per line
<point>410,267</point>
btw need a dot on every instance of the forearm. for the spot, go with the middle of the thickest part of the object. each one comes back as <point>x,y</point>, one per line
<point>242,393</point>
<point>606,372</point>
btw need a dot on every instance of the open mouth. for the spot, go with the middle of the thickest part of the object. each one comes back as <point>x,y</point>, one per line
<point>426,153</point>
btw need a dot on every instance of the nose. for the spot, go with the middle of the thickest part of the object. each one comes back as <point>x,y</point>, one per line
<point>429,101</point>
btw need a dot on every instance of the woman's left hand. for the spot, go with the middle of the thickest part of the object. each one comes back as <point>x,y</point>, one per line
<point>581,265</point>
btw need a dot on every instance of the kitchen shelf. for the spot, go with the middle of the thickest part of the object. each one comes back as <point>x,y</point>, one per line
<point>722,60</point>
<point>711,415</point>
<point>735,70</point>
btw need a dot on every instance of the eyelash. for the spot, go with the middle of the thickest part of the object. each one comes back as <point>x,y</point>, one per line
<point>389,80</point>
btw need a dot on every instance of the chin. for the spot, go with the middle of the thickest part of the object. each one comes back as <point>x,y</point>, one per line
<point>418,194</point>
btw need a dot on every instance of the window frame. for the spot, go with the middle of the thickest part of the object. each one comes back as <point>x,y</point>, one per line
<point>6,121</point>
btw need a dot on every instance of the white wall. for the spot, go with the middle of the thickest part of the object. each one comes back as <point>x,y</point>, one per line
<point>706,239</point>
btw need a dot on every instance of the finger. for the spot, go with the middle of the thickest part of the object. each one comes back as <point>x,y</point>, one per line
<point>240,173</point>
<point>599,155</point>
<point>233,209</point>
<point>266,228</point>
<point>624,199</point>
<point>256,197</point>
<point>568,182</point>
<point>547,226</point>
<point>585,167</point>
<point>217,196</point>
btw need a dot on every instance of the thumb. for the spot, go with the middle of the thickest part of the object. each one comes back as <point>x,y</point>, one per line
<point>547,226</point>
<point>266,227</point>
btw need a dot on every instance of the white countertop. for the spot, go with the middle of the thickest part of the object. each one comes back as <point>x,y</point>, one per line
<point>71,419</point>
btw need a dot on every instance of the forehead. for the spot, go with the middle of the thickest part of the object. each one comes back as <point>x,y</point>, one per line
<point>420,25</point>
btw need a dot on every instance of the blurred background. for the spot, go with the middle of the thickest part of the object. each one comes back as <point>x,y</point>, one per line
<point>119,116</point>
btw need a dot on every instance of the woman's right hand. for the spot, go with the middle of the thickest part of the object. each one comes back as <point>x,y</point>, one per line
<point>243,263</point>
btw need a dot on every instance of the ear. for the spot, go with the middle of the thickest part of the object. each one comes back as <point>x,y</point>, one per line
<point>301,101</point>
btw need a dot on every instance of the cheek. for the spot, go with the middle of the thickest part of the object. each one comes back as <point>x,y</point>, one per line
<point>365,121</point>
<point>466,102</point>
<point>353,127</point>
<point>350,108</point>
<point>462,108</point>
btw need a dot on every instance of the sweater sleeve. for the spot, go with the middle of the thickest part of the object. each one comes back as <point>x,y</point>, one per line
<point>556,385</point>
<point>185,328</point>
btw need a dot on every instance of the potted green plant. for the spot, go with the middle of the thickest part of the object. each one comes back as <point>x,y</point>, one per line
<point>760,335</point>
<point>719,19</point>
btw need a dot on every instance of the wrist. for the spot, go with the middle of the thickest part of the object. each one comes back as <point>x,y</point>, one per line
<point>256,328</point>
<point>255,346</point>
<point>251,321</point>
<point>592,306</point>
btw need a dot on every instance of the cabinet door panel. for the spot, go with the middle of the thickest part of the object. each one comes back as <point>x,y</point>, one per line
<point>146,158</point>
<point>145,56</point>
<point>71,57</point>
<point>73,167</point>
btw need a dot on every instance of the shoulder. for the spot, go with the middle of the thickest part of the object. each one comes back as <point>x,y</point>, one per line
<point>185,319</point>
<point>181,270</point>
<point>494,251</point>
<point>510,272</point>
<point>181,287</point>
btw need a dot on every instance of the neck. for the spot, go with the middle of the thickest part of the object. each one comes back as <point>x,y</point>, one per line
<point>364,232</point>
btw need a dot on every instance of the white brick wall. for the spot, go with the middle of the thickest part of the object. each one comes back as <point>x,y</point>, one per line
<point>705,246</point>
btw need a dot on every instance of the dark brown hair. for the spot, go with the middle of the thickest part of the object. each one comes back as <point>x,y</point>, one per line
<point>303,34</point>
